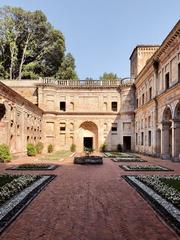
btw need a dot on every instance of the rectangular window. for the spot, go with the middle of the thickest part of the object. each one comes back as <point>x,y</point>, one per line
<point>114,106</point>
<point>63,106</point>
<point>149,138</point>
<point>179,72</point>
<point>137,102</point>
<point>150,93</point>
<point>114,127</point>
<point>62,127</point>
<point>142,138</point>
<point>136,139</point>
<point>167,81</point>
<point>143,99</point>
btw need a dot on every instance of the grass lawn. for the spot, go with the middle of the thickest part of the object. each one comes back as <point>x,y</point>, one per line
<point>56,156</point>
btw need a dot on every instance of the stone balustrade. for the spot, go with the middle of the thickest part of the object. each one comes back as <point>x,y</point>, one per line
<point>85,83</point>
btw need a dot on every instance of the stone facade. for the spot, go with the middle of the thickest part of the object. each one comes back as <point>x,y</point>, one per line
<point>157,114</point>
<point>20,121</point>
<point>142,114</point>
<point>83,112</point>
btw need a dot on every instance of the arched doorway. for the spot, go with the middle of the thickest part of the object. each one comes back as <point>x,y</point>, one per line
<point>176,133</point>
<point>88,136</point>
<point>166,134</point>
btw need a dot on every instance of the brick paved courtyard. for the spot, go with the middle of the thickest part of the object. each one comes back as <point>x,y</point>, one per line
<point>90,203</point>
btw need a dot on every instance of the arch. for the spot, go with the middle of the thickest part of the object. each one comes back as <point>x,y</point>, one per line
<point>167,114</point>
<point>88,129</point>
<point>177,111</point>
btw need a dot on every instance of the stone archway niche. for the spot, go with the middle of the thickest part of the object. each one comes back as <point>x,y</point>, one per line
<point>87,129</point>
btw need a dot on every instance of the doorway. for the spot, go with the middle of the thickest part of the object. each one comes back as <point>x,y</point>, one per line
<point>88,142</point>
<point>127,143</point>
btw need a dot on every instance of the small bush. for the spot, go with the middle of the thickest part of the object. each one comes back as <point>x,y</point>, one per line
<point>50,148</point>
<point>39,147</point>
<point>73,147</point>
<point>103,147</point>
<point>5,155</point>
<point>31,150</point>
<point>119,148</point>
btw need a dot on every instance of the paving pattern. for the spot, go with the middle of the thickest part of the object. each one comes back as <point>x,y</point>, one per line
<point>90,203</point>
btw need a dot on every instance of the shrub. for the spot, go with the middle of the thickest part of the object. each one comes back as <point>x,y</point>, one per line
<point>31,150</point>
<point>5,155</point>
<point>103,147</point>
<point>119,148</point>
<point>50,148</point>
<point>73,147</point>
<point>39,147</point>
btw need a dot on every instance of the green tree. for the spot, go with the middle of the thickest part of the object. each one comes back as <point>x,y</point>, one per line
<point>29,45</point>
<point>109,76</point>
<point>67,68</point>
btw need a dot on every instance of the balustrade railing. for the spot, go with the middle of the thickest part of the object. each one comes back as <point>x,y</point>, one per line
<point>85,83</point>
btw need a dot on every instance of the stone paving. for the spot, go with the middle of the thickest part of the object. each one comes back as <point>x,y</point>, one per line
<point>90,203</point>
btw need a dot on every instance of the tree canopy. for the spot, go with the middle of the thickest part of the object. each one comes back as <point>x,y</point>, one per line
<point>29,45</point>
<point>109,76</point>
<point>67,68</point>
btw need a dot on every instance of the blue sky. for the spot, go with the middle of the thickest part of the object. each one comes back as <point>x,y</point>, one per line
<point>101,34</point>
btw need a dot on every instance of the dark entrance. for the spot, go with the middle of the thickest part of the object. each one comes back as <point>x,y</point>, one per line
<point>127,143</point>
<point>88,142</point>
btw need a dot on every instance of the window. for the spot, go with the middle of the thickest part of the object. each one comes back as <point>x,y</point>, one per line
<point>167,81</point>
<point>114,127</point>
<point>137,102</point>
<point>136,139</point>
<point>150,93</point>
<point>114,106</point>
<point>142,138</point>
<point>62,127</point>
<point>149,121</point>
<point>179,72</point>
<point>143,99</point>
<point>149,138</point>
<point>63,106</point>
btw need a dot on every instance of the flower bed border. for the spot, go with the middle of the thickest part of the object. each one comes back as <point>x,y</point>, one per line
<point>12,214</point>
<point>125,168</point>
<point>157,206</point>
<point>127,160</point>
<point>49,168</point>
<point>123,155</point>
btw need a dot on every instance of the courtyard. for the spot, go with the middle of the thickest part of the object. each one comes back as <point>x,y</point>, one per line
<point>89,202</point>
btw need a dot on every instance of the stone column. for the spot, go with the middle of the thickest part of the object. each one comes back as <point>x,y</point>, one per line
<point>176,139</point>
<point>165,140</point>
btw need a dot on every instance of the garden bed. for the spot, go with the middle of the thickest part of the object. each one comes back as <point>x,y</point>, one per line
<point>34,167</point>
<point>163,193</point>
<point>119,159</point>
<point>144,168</point>
<point>120,155</point>
<point>16,192</point>
<point>88,160</point>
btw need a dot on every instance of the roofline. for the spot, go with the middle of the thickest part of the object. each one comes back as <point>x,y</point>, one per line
<point>164,44</point>
<point>18,98</point>
<point>142,46</point>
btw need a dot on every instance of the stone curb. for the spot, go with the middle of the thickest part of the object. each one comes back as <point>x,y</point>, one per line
<point>167,210</point>
<point>11,210</point>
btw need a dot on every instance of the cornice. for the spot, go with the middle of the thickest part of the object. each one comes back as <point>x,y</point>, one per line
<point>165,44</point>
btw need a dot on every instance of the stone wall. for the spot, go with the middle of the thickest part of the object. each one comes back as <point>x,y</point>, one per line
<point>158,100</point>
<point>20,121</point>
